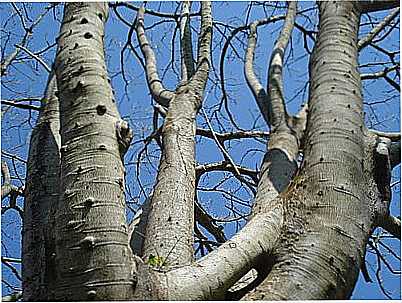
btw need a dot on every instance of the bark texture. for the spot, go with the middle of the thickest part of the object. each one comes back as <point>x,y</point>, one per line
<point>41,199</point>
<point>309,226</point>
<point>169,233</point>
<point>326,221</point>
<point>93,258</point>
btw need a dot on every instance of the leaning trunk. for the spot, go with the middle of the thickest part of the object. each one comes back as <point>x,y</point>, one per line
<point>327,222</point>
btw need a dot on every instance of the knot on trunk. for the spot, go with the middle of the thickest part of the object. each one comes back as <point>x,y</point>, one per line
<point>124,136</point>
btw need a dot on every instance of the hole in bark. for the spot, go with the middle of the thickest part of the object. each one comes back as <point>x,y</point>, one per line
<point>75,46</point>
<point>321,159</point>
<point>100,16</point>
<point>352,131</point>
<point>89,202</point>
<point>102,147</point>
<point>348,106</point>
<point>88,35</point>
<point>169,219</point>
<point>79,86</point>
<point>101,110</point>
<point>335,120</point>
<point>320,193</point>
<point>84,21</point>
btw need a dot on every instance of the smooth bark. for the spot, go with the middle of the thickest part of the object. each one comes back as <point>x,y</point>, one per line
<point>41,198</point>
<point>326,222</point>
<point>169,233</point>
<point>93,258</point>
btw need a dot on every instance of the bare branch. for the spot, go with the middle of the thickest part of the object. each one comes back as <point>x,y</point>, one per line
<point>187,59</point>
<point>377,29</point>
<point>275,85</point>
<point>225,47</point>
<point>380,74</point>
<point>232,260</point>
<point>253,83</point>
<point>12,268</point>
<point>159,93</point>
<point>394,137</point>
<point>392,225</point>
<point>226,166</point>
<point>20,105</point>
<point>204,45</point>
<point>36,57</point>
<point>232,135</point>
<point>148,11</point>
<point>220,146</point>
<point>8,189</point>
<point>27,36</point>
<point>209,223</point>
<point>377,5</point>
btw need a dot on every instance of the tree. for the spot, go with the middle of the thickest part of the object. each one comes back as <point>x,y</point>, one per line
<point>323,187</point>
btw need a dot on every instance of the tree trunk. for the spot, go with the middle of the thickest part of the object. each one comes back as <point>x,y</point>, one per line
<point>41,198</point>
<point>93,259</point>
<point>309,226</point>
<point>327,222</point>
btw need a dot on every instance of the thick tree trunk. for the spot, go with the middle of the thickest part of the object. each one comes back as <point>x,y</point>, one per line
<point>41,198</point>
<point>93,259</point>
<point>326,220</point>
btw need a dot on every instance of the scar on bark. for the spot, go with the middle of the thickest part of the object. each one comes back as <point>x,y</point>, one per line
<point>124,136</point>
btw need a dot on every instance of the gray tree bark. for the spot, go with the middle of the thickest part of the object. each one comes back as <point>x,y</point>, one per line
<point>41,199</point>
<point>93,258</point>
<point>309,226</point>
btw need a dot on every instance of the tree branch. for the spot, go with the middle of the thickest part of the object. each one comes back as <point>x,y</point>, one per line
<point>393,136</point>
<point>158,92</point>
<point>377,5</point>
<point>36,57</point>
<point>275,84</point>
<point>253,83</point>
<point>226,166</point>
<point>392,225</point>
<point>204,45</point>
<point>209,223</point>
<point>8,189</point>
<point>20,105</point>
<point>232,135</point>
<point>377,29</point>
<point>380,74</point>
<point>186,46</point>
